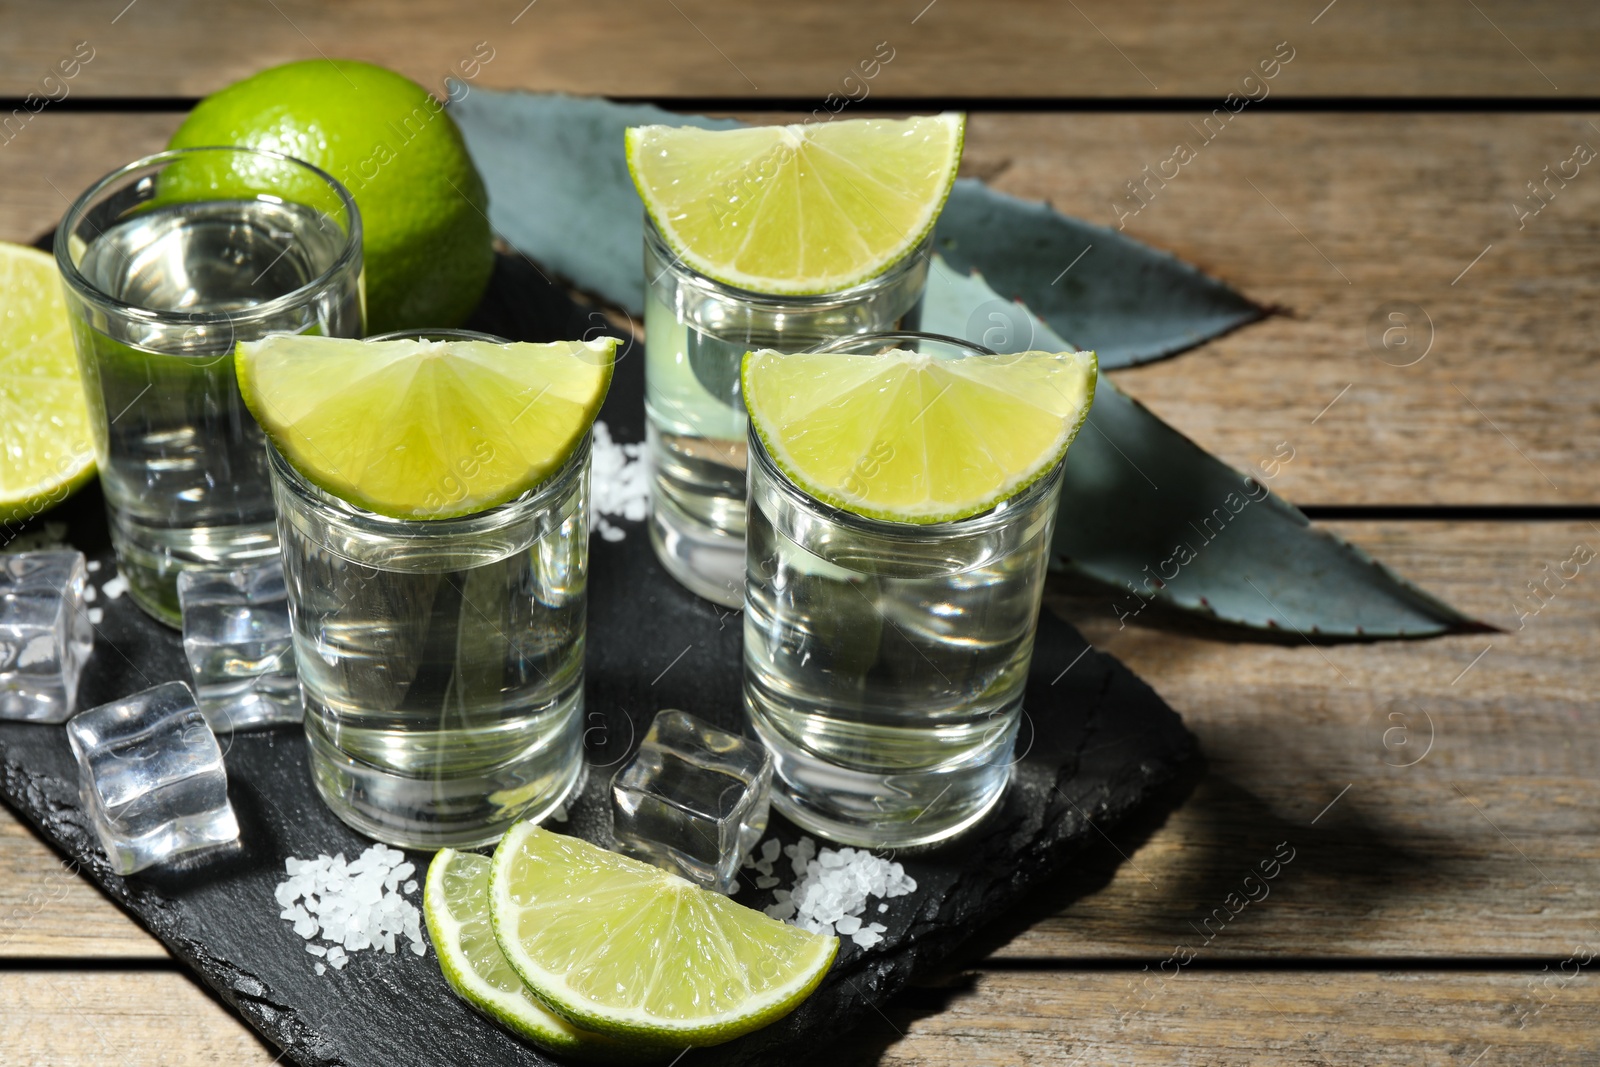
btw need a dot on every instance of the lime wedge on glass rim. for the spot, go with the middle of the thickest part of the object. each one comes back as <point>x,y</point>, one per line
<point>632,951</point>
<point>801,209</point>
<point>455,902</point>
<point>912,437</point>
<point>45,446</point>
<point>424,429</point>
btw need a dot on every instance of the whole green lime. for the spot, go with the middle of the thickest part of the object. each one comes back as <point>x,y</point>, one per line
<point>427,246</point>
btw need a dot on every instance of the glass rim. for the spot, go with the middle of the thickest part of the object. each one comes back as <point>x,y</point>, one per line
<point>1002,512</point>
<point>881,338</point>
<point>345,514</point>
<point>441,334</point>
<point>267,309</point>
<point>892,273</point>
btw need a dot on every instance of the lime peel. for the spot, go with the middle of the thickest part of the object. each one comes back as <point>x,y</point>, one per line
<point>427,246</point>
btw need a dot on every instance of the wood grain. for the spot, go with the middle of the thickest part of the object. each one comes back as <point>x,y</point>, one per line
<point>1202,1020</point>
<point>47,910</point>
<point>1470,822</point>
<point>158,1019</point>
<point>59,155</point>
<point>1485,844</point>
<point>990,1018</point>
<point>1330,218</point>
<point>1093,48</point>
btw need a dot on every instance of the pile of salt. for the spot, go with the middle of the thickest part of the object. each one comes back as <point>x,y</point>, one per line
<point>831,889</point>
<point>356,905</point>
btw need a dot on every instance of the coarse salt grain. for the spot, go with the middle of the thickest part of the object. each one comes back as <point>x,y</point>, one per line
<point>619,483</point>
<point>831,888</point>
<point>354,906</point>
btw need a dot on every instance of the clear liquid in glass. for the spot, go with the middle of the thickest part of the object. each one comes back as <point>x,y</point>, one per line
<point>181,459</point>
<point>885,671</point>
<point>442,676</point>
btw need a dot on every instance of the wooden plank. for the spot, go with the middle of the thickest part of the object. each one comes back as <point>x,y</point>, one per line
<point>1401,865</point>
<point>999,1018</point>
<point>1332,218</point>
<point>1402,204</point>
<point>1439,797</point>
<point>157,1019</point>
<point>59,155</point>
<point>47,910</point>
<point>1201,1019</point>
<point>718,47</point>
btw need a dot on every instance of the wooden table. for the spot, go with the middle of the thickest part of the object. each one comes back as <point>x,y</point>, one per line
<point>1438,798</point>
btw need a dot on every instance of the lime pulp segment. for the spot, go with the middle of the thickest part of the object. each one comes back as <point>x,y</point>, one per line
<point>424,429</point>
<point>912,437</point>
<point>627,949</point>
<point>800,209</point>
<point>46,448</point>
<point>456,906</point>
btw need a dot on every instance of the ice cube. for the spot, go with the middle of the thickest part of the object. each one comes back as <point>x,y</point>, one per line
<point>152,778</point>
<point>693,799</point>
<point>45,634</point>
<point>237,640</point>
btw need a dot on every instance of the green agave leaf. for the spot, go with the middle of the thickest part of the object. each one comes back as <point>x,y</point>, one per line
<point>1152,518</point>
<point>1140,502</point>
<point>559,189</point>
<point>1129,302</point>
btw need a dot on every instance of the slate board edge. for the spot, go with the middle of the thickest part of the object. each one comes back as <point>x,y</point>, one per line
<point>65,832</point>
<point>882,974</point>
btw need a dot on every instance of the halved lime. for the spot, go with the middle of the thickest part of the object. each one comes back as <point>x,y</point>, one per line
<point>797,209</point>
<point>626,949</point>
<point>912,437</point>
<point>455,902</point>
<point>46,450</point>
<point>424,429</point>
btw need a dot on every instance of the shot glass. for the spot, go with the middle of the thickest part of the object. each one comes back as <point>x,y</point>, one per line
<point>441,661</point>
<point>167,263</point>
<point>696,332</point>
<point>884,662</point>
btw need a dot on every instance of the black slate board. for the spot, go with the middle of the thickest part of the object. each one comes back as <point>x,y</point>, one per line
<point>1096,743</point>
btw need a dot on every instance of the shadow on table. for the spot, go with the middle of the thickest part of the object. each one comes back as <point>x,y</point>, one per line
<point>1086,872</point>
<point>1341,867</point>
